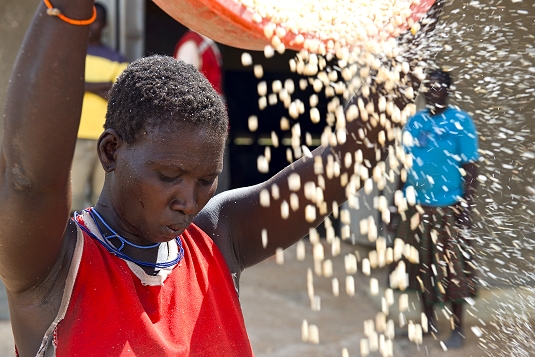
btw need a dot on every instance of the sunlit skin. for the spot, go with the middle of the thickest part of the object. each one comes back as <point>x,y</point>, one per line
<point>157,185</point>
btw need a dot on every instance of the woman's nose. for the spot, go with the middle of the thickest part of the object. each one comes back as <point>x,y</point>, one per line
<point>185,199</point>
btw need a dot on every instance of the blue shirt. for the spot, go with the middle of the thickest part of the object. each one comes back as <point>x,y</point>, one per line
<point>439,146</point>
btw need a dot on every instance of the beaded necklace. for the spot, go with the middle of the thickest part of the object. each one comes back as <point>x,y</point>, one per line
<point>117,251</point>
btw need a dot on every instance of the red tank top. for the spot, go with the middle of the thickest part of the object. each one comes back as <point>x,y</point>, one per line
<point>111,311</point>
<point>210,55</point>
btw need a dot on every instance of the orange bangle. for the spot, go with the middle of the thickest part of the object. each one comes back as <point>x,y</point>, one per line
<point>52,11</point>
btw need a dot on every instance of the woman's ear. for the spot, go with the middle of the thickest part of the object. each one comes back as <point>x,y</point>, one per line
<point>108,144</point>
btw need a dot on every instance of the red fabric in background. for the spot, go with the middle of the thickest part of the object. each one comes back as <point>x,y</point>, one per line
<point>210,60</point>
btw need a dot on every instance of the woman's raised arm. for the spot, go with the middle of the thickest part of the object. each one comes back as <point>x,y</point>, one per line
<point>41,120</point>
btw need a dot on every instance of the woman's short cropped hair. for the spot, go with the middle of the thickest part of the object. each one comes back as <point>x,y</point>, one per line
<point>160,91</point>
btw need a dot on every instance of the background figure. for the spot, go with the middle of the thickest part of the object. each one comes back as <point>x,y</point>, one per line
<point>444,149</point>
<point>203,53</point>
<point>103,65</point>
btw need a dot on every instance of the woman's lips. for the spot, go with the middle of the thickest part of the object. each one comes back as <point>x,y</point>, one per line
<point>177,229</point>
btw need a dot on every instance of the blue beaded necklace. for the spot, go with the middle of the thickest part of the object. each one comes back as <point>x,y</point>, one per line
<point>118,251</point>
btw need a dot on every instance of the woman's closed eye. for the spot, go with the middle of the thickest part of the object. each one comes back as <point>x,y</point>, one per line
<point>207,181</point>
<point>168,177</point>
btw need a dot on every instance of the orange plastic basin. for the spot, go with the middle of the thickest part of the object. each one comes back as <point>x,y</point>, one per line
<point>230,23</point>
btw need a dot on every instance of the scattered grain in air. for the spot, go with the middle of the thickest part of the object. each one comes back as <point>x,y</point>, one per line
<point>275,192</point>
<point>310,213</point>
<point>402,319</point>
<point>335,286</point>
<point>262,103</point>
<point>269,51</point>
<point>252,123</point>
<point>363,225</point>
<point>372,229</point>
<point>264,238</point>
<point>350,263</point>
<point>374,341</point>
<point>330,234</point>
<point>274,139</point>
<point>310,283</point>
<point>267,153</point>
<point>318,252</point>
<point>284,124</point>
<point>319,192</point>
<point>293,110</point>
<point>289,155</point>
<point>318,268</point>
<point>294,182</point>
<point>443,345</point>
<point>272,99</point>
<point>350,285</point>
<point>315,116</point>
<point>389,295</point>
<point>246,59</point>
<point>313,100</point>
<point>303,84</point>
<point>366,267</point>
<point>294,202</point>
<point>368,186</point>
<point>373,258</point>
<point>374,286</point>
<point>285,210</point>
<point>304,331</point>
<point>384,306</point>
<point>313,334</point>
<point>276,86</point>
<point>380,322</point>
<point>369,327</point>
<point>257,18</point>
<point>327,268</point>
<point>410,195</point>
<point>388,349</point>
<point>345,352</point>
<point>300,250</point>
<point>335,247</point>
<point>289,85</point>
<point>345,232</point>
<point>411,331</point>
<point>262,164</point>
<point>279,256</point>
<point>390,331</point>
<point>261,88</point>
<point>258,71</point>
<point>313,236</point>
<point>477,331</point>
<point>418,335</point>
<point>403,302</point>
<point>315,303</point>
<point>364,347</point>
<point>424,322</point>
<point>264,198</point>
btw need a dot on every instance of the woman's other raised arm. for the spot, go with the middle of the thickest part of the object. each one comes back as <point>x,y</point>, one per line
<point>239,215</point>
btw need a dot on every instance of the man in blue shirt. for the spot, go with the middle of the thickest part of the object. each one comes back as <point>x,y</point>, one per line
<point>440,186</point>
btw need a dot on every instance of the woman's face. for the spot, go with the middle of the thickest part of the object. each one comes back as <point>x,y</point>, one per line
<point>162,181</point>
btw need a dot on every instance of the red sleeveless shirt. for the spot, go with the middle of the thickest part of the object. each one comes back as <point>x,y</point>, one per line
<point>114,309</point>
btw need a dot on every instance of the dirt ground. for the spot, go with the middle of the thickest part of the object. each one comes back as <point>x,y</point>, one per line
<point>275,302</point>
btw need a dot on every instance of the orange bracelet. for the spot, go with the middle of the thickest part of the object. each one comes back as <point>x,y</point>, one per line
<point>52,11</point>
